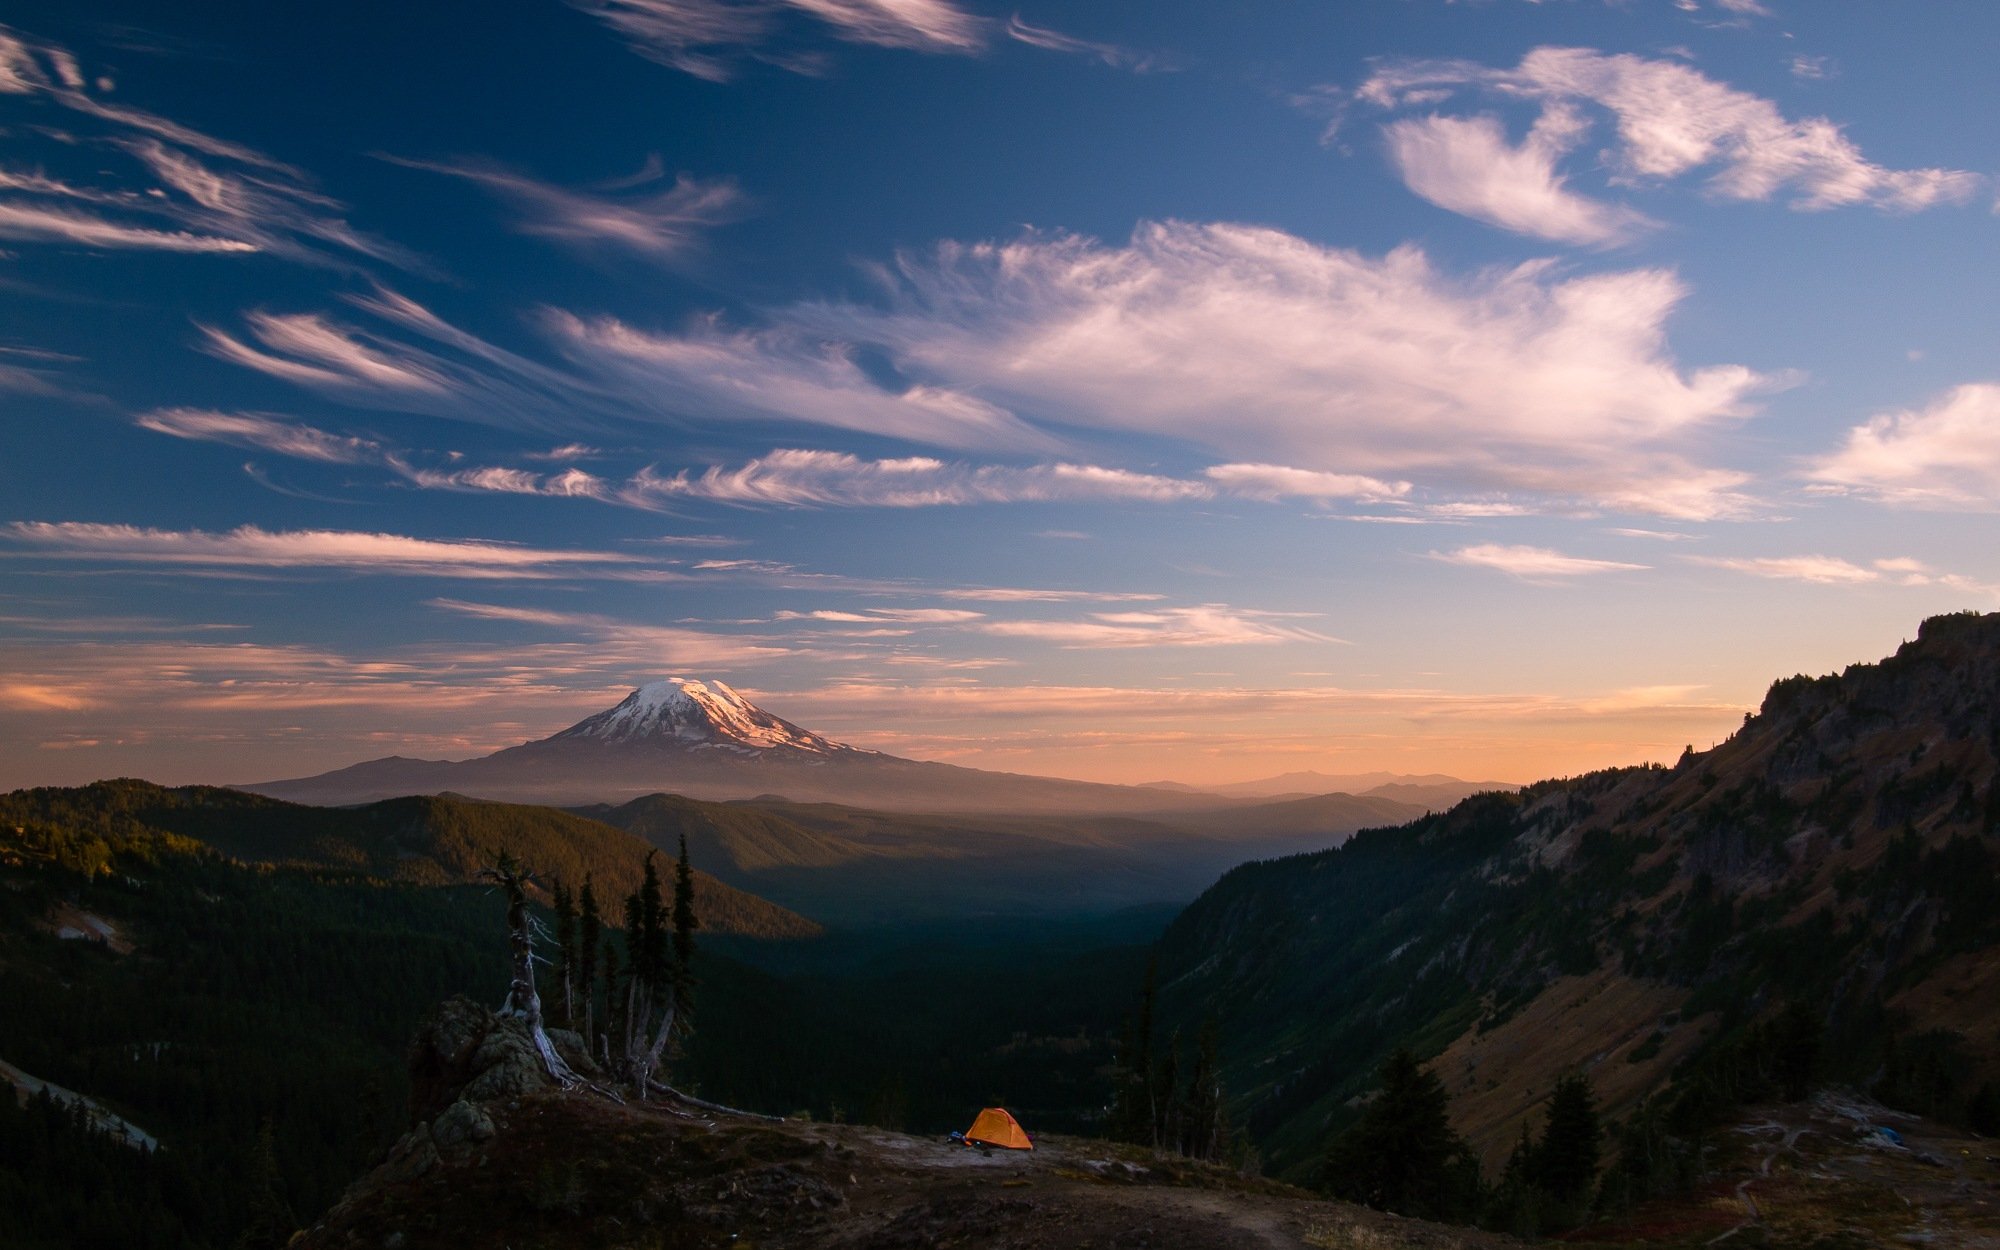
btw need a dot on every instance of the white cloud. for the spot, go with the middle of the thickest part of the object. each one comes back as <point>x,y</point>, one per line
<point>1667,536</point>
<point>1275,350</point>
<point>876,616</point>
<point>711,372</point>
<point>1114,55</point>
<point>1835,571</point>
<point>1466,166</point>
<point>568,484</point>
<point>1822,570</point>
<point>925,25</point>
<point>1672,120</point>
<point>700,37</point>
<point>662,224</point>
<point>1531,563</point>
<point>1275,481</point>
<point>796,478</point>
<point>249,547</point>
<point>1944,455</point>
<point>1030,594</point>
<point>261,432</point>
<point>1311,370</point>
<point>643,649</point>
<point>1210,625</point>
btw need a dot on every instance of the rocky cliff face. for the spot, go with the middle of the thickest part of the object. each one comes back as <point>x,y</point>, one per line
<point>1839,850</point>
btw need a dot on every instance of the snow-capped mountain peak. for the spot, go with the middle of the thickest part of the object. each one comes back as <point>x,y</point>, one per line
<point>694,714</point>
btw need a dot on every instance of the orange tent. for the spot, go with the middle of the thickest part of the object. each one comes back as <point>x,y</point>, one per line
<point>995,1127</point>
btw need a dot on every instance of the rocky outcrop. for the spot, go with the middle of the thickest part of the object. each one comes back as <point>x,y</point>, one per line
<point>464,1058</point>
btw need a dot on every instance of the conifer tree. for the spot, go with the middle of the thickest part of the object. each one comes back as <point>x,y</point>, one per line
<point>1202,1133</point>
<point>1402,1155</point>
<point>650,1011</point>
<point>1796,1040</point>
<point>271,1223</point>
<point>1166,1096</point>
<point>613,1016</point>
<point>1131,1113</point>
<point>565,907</point>
<point>1565,1161</point>
<point>589,930</point>
<point>685,923</point>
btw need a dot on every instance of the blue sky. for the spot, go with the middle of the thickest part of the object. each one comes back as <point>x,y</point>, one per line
<point>1126,391</point>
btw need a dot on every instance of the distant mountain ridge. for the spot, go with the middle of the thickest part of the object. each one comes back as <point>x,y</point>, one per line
<point>1432,790</point>
<point>850,866</point>
<point>698,737</point>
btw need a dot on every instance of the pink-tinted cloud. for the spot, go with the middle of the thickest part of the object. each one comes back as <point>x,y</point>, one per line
<point>1943,455</point>
<point>1670,120</point>
<point>249,547</point>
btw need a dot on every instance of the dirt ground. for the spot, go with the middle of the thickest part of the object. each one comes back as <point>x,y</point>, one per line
<point>553,1171</point>
<point>1820,1175</point>
<point>562,1171</point>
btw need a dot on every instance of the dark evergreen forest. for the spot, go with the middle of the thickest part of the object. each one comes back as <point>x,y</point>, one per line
<point>274,1005</point>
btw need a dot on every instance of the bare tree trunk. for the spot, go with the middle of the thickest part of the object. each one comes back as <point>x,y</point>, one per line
<point>663,1088</point>
<point>646,1063</point>
<point>522,1000</point>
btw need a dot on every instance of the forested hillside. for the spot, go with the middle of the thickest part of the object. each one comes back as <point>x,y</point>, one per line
<point>203,999</point>
<point>423,840</point>
<point>1645,926</point>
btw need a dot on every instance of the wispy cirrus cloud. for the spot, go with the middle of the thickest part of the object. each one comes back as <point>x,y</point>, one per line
<point>1208,625</point>
<point>502,480</point>
<point>1116,56</point>
<point>647,648</point>
<point>1670,120</point>
<point>284,436</point>
<point>34,371</point>
<point>800,478</point>
<point>786,477</point>
<point>1535,564</point>
<point>705,37</point>
<point>261,432</point>
<point>1277,481</point>
<point>635,215</point>
<point>412,360</point>
<point>1315,371</point>
<point>777,372</point>
<point>1945,454</point>
<point>180,190</point>
<point>1032,594</point>
<point>37,223</point>
<point>1824,570</point>
<point>877,616</point>
<point>251,547</point>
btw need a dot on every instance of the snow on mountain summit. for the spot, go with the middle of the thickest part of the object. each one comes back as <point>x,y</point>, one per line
<point>695,714</point>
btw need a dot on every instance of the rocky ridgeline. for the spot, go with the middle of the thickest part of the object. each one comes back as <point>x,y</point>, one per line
<point>1838,850</point>
<point>498,1155</point>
